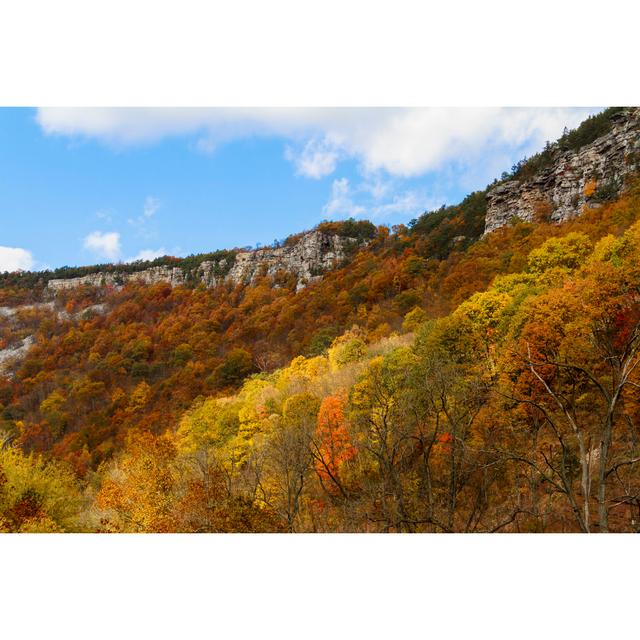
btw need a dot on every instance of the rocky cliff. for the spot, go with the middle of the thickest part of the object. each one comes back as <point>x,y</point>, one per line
<point>173,275</point>
<point>306,259</point>
<point>573,180</point>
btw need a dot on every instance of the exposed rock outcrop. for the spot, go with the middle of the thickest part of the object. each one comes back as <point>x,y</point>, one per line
<point>21,319</point>
<point>313,254</point>
<point>173,275</point>
<point>16,352</point>
<point>574,180</point>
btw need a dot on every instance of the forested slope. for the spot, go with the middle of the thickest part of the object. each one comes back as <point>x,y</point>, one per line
<point>440,380</point>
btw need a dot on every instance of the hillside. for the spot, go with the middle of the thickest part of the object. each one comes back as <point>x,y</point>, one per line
<point>474,370</point>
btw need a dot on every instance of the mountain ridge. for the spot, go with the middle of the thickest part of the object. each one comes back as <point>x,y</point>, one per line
<point>581,170</point>
<point>404,390</point>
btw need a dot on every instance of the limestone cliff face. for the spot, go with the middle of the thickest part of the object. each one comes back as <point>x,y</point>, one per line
<point>307,259</point>
<point>310,257</point>
<point>173,275</point>
<point>575,179</point>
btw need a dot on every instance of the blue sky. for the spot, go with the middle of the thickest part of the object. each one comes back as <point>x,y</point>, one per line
<point>80,186</point>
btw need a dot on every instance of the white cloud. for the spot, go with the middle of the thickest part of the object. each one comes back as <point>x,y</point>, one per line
<point>341,204</point>
<point>151,205</point>
<point>402,142</point>
<point>317,159</point>
<point>141,222</point>
<point>407,203</point>
<point>148,255</point>
<point>377,199</point>
<point>15,259</point>
<point>377,187</point>
<point>104,244</point>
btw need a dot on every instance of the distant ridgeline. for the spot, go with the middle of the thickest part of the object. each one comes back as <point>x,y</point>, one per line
<point>583,169</point>
<point>304,256</point>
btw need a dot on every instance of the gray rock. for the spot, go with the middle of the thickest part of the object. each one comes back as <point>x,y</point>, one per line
<point>14,353</point>
<point>307,259</point>
<point>558,192</point>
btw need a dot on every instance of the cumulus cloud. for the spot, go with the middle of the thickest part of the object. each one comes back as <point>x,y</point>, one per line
<point>15,259</point>
<point>405,203</point>
<point>462,147</point>
<point>317,159</point>
<point>104,244</point>
<point>341,204</point>
<point>376,200</point>
<point>401,141</point>
<point>148,255</point>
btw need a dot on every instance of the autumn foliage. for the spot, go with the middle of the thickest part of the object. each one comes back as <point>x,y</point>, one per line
<point>334,447</point>
<point>430,384</point>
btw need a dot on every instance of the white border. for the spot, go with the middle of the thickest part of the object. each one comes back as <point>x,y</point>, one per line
<point>300,53</point>
<point>312,53</point>
<point>319,586</point>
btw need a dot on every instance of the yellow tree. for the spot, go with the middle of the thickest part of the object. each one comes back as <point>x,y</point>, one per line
<point>576,367</point>
<point>288,458</point>
<point>36,495</point>
<point>138,492</point>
